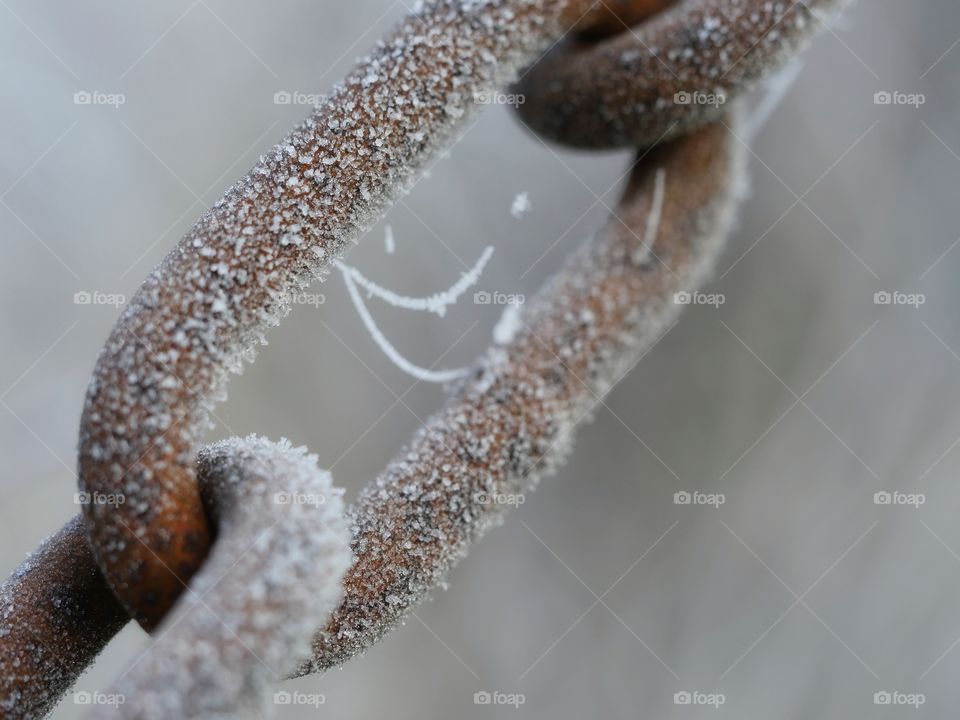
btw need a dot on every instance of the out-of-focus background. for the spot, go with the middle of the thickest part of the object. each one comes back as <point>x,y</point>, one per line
<point>798,399</point>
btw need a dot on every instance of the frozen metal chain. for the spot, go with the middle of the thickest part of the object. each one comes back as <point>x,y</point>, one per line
<point>203,311</point>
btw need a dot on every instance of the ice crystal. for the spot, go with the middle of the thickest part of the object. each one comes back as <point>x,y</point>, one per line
<point>508,325</point>
<point>520,206</point>
<point>389,242</point>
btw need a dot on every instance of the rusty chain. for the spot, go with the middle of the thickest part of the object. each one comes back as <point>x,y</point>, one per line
<point>614,74</point>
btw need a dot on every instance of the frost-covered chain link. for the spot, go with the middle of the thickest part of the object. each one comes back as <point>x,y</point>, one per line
<point>204,310</point>
<point>272,578</point>
<point>209,304</point>
<point>665,77</point>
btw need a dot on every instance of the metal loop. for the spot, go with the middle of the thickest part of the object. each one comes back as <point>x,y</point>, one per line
<point>272,577</point>
<point>665,77</point>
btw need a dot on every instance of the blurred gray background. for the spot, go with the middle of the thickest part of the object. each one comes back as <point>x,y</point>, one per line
<point>798,399</point>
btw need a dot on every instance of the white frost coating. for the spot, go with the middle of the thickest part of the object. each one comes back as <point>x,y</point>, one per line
<point>508,325</point>
<point>389,242</point>
<point>521,205</point>
<point>436,303</point>
<point>435,376</point>
<point>273,576</point>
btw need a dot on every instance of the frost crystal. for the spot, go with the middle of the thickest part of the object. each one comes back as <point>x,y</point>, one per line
<point>521,204</point>
<point>437,303</point>
<point>508,325</point>
<point>389,243</point>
